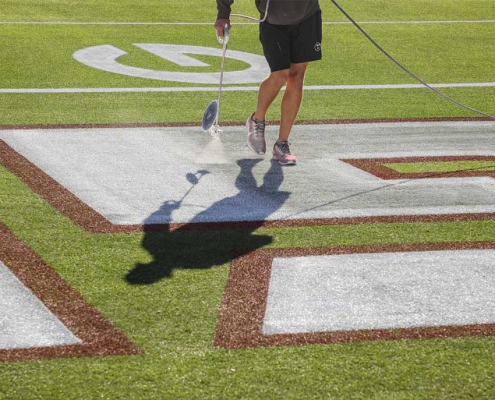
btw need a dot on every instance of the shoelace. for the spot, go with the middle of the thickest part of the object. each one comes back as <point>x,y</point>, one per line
<point>283,147</point>
<point>259,128</point>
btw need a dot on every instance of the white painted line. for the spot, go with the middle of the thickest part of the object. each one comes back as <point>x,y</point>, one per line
<point>105,58</point>
<point>242,88</point>
<point>139,175</point>
<point>25,321</point>
<point>380,291</point>
<point>488,21</point>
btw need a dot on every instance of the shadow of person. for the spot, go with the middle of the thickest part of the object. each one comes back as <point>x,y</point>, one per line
<point>199,246</point>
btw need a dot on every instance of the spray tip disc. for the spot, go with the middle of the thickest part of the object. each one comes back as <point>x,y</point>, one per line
<point>210,116</point>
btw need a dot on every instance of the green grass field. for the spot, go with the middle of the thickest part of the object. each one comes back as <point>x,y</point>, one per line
<point>173,321</point>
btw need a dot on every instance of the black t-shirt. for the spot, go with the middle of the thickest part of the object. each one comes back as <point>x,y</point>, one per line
<point>280,12</point>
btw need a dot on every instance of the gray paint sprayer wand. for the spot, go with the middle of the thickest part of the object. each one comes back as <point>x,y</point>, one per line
<point>212,112</point>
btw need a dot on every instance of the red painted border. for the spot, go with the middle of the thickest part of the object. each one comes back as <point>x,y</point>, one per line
<point>99,337</point>
<point>243,304</point>
<point>197,124</point>
<point>244,301</point>
<point>87,218</point>
<point>375,166</point>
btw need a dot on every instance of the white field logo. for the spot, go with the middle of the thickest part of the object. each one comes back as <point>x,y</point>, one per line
<point>105,57</point>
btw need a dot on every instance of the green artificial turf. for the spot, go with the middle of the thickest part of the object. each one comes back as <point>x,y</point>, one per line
<point>442,166</point>
<point>94,108</point>
<point>40,57</point>
<point>205,10</point>
<point>173,321</point>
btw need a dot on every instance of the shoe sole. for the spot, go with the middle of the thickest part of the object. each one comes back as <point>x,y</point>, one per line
<point>253,150</point>
<point>285,164</point>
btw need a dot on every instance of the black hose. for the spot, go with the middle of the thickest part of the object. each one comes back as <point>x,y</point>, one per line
<point>405,69</point>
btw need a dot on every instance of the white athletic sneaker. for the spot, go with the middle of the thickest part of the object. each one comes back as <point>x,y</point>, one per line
<point>256,135</point>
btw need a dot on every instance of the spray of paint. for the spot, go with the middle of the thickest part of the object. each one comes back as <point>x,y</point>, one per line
<point>213,152</point>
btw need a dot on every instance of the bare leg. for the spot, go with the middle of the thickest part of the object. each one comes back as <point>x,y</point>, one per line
<point>268,91</point>
<point>292,99</point>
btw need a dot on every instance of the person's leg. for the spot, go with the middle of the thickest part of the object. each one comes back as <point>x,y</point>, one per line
<point>289,109</point>
<point>292,99</point>
<point>305,46</point>
<point>256,122</point>
<point>268,91</point>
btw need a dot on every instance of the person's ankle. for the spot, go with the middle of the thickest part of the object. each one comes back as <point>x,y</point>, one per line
<point>255,117</point>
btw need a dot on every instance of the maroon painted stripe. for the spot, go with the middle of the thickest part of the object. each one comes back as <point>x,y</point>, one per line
<point>53,192</point>
<point>87,218</point>
<point>375,166</point>
<point>243,304</point>
<point>235,123</point>
<point>99,337</point>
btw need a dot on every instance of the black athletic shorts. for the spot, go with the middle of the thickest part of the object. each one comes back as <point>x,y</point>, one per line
<point>287,44</point>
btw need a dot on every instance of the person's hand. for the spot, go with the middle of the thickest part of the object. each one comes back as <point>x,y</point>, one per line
<point>220,26</point>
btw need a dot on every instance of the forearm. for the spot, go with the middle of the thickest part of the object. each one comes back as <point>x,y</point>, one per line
<point>223,7</point>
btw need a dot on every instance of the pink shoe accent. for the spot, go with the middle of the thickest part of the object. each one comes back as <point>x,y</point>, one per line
<point>281,152</point>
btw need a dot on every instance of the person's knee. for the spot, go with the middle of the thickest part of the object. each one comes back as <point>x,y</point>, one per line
<point>297,72</point>
<point>279,78</point>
